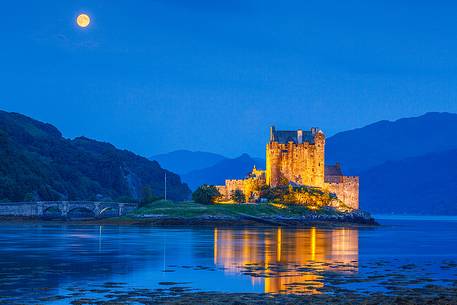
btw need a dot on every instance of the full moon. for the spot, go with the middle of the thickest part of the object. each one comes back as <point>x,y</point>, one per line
<point>83,20</point>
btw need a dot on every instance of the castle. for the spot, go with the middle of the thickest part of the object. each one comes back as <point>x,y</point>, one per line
<point>298,158</point>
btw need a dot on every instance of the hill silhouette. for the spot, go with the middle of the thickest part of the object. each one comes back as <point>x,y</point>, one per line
<point>363,148</point>
<point>184,161</point>
<point>417,185</point>
<point>37,163</point>
<point>236,168</point>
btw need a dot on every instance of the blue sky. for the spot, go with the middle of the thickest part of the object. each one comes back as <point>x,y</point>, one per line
<point>155,76</point>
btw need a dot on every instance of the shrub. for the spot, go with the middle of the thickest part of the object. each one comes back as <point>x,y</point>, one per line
<point>237,196</point>
<point>28,197</point>
<point>302,195</point>
<point>206,194</point>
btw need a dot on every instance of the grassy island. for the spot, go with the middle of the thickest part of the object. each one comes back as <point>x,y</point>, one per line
<point>194,209</point>
<point>169,212</point>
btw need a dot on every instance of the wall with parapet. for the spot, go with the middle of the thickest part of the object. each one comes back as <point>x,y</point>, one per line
<point>347,190</point>
<point>249,186</point>
<point>233,185</point>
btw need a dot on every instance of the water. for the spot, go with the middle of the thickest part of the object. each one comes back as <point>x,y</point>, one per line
<point>60,263</point>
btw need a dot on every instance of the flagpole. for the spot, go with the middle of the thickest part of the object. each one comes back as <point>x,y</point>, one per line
<point>165,182</point>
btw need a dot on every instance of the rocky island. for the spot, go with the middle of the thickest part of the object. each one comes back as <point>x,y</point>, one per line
<point>192,213</point>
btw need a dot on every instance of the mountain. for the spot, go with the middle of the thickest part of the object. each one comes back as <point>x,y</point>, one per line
<point>363,148</point>
<point>37,163</point>
<point>418,185</point>
<point>184,161</point>
<point>236,168</point>
<point>197,167</point>
<point>405,166</point>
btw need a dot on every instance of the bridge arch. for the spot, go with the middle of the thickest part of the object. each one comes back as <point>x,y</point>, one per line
<point>65,208</point>
<point>52,211</point>
<point>81,212</point>
<point>107,210</point>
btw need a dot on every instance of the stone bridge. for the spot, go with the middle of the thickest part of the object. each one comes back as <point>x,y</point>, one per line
<point>65,208</point>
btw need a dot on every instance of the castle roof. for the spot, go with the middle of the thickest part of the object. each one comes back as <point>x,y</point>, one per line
<point>286,136</point>
<point>333,170</point>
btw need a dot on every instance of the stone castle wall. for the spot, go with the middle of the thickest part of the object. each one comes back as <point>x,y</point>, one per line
<point>233,185</point>
<point>222,189</point>
<point>347,190</point>
<point>300,163</point>
<point>248,186</point>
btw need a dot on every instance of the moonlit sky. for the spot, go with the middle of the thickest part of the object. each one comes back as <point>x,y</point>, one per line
<point>156,76</point>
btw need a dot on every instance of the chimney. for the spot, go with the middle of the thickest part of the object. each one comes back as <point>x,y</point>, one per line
<point>299,136</point>
<point>272,134</point>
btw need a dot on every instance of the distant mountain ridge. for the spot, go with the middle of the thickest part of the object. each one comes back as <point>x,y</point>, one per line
<point>235,168</point>
<point>362,148</point>
<point>184,161</point>
<point>37,163</point>
<point>419,185</point>
<point>405,166</point>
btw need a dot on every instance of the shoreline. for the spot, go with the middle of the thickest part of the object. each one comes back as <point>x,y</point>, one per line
<point>203,221</point>
<point>169,213</point>
<point>178,295</point>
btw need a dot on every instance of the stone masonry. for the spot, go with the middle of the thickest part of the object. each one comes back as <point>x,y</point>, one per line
<point>64,208</point>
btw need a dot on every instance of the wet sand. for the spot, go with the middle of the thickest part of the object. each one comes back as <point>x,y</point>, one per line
<point>429,295</point>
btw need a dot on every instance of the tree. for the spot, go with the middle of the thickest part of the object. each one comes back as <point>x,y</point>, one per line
<point>147,196</point>
<point>237,196</point>
<point>206,194</point>
<point>28,197</point>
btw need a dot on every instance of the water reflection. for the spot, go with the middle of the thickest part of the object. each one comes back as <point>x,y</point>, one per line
<point>39,260</point>
<point>287,261</point>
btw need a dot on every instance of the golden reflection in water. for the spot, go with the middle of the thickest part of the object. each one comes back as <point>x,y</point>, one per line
<point>287,261</point>
<point>278,243</point>
<point>215,245</point>
<point>313,243</point>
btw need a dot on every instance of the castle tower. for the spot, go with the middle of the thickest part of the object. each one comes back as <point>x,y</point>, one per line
<point>295,156</point>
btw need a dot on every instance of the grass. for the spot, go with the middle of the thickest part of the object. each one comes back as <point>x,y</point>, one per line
<point>193,209</point>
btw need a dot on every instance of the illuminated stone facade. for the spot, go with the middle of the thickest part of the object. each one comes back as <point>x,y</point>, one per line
<point>346,189</point>
<point>297,157</point>
<point>249,186</point>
